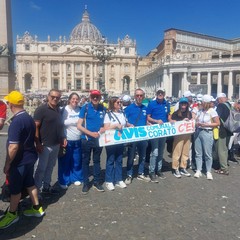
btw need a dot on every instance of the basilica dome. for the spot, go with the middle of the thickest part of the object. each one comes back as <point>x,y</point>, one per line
<point>85,32</point>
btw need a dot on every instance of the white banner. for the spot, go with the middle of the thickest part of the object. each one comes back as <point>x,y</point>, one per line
<point>134,134</point>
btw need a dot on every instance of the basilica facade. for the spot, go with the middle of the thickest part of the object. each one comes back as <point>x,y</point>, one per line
<point>84,61</point>
<point>190,61</point>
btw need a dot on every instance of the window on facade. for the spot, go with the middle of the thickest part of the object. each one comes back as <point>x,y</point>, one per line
<point>77,67</point>
<point>87,86</point>
<point>55,84</point>
<point>54,49</point>
<point>78,84</point>
<point>27,47</point>
<point>42,49</point>
<point>126,50</point>
<point>43,67</point>
<point>126,67</point>
<point>55,67</point>
<point>68,67</point>
<point>28,66</point>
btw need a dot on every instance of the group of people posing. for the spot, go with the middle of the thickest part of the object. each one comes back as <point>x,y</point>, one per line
<point>70,135</point>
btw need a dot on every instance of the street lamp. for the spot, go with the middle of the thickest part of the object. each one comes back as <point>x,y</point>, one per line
<point>103,53</point>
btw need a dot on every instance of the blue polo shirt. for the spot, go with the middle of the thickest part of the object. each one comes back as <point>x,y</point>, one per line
<point>159,110</point>
<point>136,115</point>
<point>22,132</point>
<point>94,118</point>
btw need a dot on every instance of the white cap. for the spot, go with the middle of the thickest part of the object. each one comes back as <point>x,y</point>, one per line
<point>206,98</point>
<point>213,99</point>
<point>199,97</point>
<point>221,95</point>
<point>126,98</point>
<point>187,94</point>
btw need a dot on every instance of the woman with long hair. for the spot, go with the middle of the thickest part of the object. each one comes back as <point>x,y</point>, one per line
<point>70,164</point>
<point>114,119</point>
<point>181,143</point>
<point>206,120</point>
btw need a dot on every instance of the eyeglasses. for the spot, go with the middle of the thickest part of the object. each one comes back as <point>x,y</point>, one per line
<point>55,97</point>
<point>160,94</point>
<point>139,95</point>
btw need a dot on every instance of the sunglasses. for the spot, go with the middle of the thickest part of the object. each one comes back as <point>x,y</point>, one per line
<point>139,95</point>
<point>55,97</point>
<point>95,96</point>
<point>160,94</point>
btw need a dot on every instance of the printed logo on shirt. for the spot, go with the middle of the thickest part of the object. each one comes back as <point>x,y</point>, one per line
<point>144,112</point>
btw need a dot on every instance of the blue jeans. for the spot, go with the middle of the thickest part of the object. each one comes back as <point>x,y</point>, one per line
<point>203,149</point>
<point>114,163</point>
<point>141,149</point>
<point>88,147</point>
<point>70,165</point>
<point>45,164</point>
<point>156,156</point>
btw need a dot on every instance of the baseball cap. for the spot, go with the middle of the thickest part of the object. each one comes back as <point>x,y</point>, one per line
<point>206,98</point>
<point>126,98</point>
<point>183,100</point>
<point>221,95</point>
<point>199,97</point>
<point>213,99</point>
<point>95,92</point>
<point>160,90</point>
<point>187,94</point>
<point>15,98</point>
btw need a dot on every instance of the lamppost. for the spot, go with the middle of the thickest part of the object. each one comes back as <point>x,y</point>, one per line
<point>103,53</point>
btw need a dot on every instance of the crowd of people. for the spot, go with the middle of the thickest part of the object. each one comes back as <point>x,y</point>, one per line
<point>69,134</point>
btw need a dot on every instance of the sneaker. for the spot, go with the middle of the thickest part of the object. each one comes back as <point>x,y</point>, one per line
<point>85,189</point>
<point>176,173</point>
<point>209,176</point>
<point>77,183</point>
<point>50,190</point>
<point>63,186</point>
<point>110,186</point>
<point>98,187</point>
<point>161,175</point>
<point>121,184</point>
<point>8,219</point>
<point>153,177</point>
<point>184,172</point>
<point>143,178</point>
<point>32,212</point>
<point>198,174</point>
<point>128,180</point>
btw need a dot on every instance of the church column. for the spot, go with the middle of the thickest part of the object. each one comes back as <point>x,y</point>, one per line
<point>209,91</point>
<point>185,83</point>
<point>49,76</point>
<point>61,87</point>
<point>170,85</point>
<point>83,76</point>
<point>230,84</point>
<point>219,85</point>
<point>198,78</point>
<point>72,76</point>
<point>166,82</point>
<point>64,75</point>
<point>92,81</point>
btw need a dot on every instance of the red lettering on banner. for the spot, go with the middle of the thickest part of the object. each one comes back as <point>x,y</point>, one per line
<point>188,127</point>
<point>181,128</point>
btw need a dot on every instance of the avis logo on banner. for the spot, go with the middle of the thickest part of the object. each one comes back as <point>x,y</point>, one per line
<point>133,134</point>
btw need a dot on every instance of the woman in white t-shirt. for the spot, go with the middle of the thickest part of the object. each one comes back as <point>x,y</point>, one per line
<point>114,119</point>
<point>206,120</point>
<point>70,164</point>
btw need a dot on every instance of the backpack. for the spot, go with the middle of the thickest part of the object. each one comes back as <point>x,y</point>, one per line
<point>232,124</point>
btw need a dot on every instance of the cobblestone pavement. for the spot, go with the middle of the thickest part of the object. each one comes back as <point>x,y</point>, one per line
<point>173,209</point>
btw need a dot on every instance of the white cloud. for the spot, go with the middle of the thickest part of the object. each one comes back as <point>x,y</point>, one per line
<point>34,6</point>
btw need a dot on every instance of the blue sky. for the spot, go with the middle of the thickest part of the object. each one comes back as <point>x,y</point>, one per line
<point>142,20</point>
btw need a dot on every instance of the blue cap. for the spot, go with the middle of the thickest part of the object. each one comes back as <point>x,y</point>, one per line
<point>183,100</point>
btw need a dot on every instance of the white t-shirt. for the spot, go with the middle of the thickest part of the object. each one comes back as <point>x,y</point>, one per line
<point>115,118</point>
<point>206,117</point>
<point>70,117</point>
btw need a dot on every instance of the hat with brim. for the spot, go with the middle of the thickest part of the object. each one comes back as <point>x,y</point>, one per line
<point>183,100</point>
<point>95,92</point>
<point>15,98</point>
<point>206,98</point>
